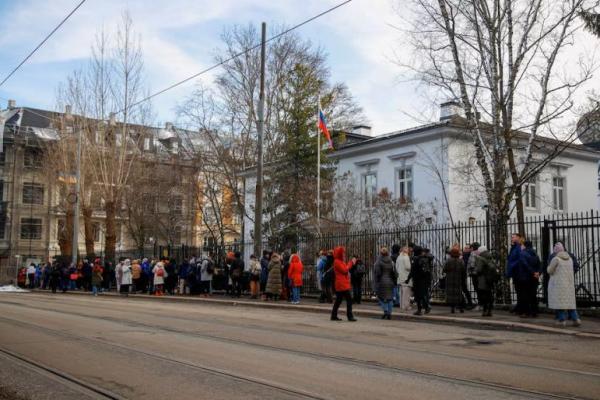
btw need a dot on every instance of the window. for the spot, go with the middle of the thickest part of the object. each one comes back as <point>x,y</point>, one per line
<point>2,227</point>
<point>3,157</point>
<point>32,158</point>
<point>31,228</point>
<point>33,193</point>
<point>118,140</point>
<point>369,190</point>
<point>96,231</point>
<point>1,190</point>
<point>147,143</point>
<point>209,243</point>
<point>177,205</point>
<point>558,193</point>
<point>99,137</point>
<point>405,185</point>
<point>529,194</point>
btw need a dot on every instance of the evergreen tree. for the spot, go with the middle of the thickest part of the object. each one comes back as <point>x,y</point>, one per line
<point>592,22</point>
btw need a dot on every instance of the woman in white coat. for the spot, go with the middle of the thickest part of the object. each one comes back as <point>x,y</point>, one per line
<point>126,277</point>
<point>403,270</point>
<point>159,278</point>
<point>561,287</point>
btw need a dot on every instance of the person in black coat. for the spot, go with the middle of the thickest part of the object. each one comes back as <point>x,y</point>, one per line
<point>420,273</point>
<point>528,274</point>
<point>236,271</point>
<point>357,273</point>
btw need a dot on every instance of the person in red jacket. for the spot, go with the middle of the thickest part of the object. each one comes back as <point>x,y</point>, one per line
<point>295,274</point>
<point>342,283</point>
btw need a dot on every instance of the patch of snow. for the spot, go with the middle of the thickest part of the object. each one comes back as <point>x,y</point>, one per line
<point>12,289</point>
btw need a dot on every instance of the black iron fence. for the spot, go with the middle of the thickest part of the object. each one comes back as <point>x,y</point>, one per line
<point>580,232</point>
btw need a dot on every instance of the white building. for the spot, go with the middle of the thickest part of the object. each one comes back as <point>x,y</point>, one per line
<point>434,164</point>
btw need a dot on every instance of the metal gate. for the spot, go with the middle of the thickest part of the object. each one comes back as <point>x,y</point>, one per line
<point>581,238</point>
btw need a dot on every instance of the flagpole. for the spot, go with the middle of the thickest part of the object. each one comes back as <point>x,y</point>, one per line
<point>318,168</point>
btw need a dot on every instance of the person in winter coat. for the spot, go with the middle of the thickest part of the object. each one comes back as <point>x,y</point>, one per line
<point>295,276</point>
<point>561,287</point>
<point>207,269</point>
<point>182,274</point>
<point>342,285</point>
<point>147,276</point>
<point>420,273</point>
<point>320,269</point>
<point>136,276</point>
<point>384,277</point>
<point>456,273</point>
<point>403,270</point>
<point>264,272</point>
<point>126,277</point>
<point>54,277</point>
<point>528,274</point>
<point>328,282</point>
<point>31,275</point>
<point>546,276</point>
<point>159,278</point>
<point>395,254</point>
<point>273,288</point>
<point>236,272</point>
<point>512,263</point>
<point>487,275</point>
<point>255,270</point>
<point>97,271</point>
<point>357,274</point>
<point>119,274</point>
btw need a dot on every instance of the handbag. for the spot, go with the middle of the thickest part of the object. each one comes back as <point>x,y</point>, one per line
<point>74,276</point>
<point>442,283</point>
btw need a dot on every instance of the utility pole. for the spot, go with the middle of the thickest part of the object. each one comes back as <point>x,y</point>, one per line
<point>259,142</point>
<point>75,245</point>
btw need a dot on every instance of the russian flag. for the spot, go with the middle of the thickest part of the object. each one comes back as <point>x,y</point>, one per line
<point>323,127</point>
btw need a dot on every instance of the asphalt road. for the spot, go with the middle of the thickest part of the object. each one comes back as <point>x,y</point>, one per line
<point>61,346</point>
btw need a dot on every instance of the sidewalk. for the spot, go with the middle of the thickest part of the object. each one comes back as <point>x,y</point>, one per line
<point>439,314</point>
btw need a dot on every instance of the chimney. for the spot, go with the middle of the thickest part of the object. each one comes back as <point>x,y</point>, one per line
<point>362,130</point>
<point>112,119</point>
<point>12,104</point>
<point>168,126</point>
<point>68,111</point>
<point>450,109</point>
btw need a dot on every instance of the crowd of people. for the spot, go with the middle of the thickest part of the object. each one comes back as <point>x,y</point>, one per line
<point>401,278</point>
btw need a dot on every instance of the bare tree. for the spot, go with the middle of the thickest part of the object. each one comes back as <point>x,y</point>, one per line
<point>502,61</point>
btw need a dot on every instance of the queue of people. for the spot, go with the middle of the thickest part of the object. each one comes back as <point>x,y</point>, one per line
<point>401,278</point>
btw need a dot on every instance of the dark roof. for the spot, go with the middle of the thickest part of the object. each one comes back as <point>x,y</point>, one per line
<point>456,122</point>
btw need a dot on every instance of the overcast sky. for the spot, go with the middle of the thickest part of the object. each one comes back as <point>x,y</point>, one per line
<point>181,37</point>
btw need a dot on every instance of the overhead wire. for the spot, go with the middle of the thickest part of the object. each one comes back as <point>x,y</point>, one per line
<point>233,57</point>
<point>42,42</point>
<point>220,63</point>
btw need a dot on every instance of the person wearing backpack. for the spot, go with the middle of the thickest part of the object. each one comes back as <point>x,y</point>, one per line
<point>255,270</point>
<point>487,275</point>
<point>236,271</point>
<point>357,273</point>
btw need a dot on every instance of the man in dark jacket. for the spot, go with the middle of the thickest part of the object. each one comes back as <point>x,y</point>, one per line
<point>236,271</point>
<point>512,263</point>
<point>264,272</point>
<point>420,273</point>
<point>395,253</point>
<point>533,267</point>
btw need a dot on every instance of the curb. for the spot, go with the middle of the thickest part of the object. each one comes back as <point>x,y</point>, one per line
<point>472,322</point>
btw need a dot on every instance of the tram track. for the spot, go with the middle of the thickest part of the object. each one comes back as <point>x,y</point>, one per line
<point>526,393</point>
